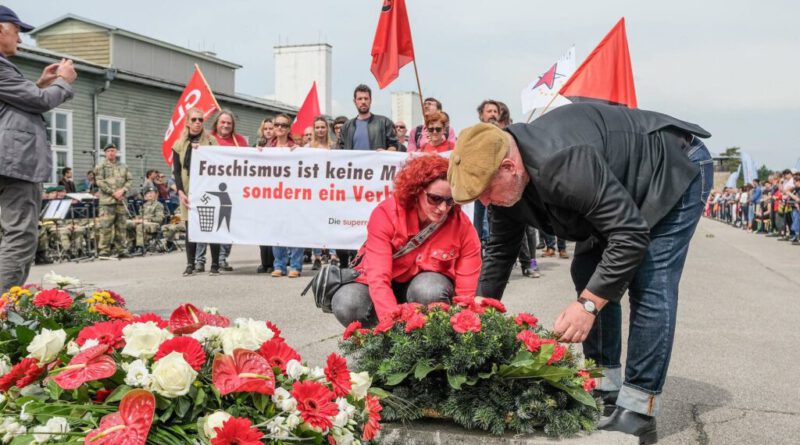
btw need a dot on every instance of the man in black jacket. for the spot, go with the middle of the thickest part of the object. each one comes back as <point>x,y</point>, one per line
<point>367,131</point>
<point>629,186</point>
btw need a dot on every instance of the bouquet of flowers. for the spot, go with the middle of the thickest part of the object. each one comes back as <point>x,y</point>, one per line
<point>85,370</point>
<point>473,364</point>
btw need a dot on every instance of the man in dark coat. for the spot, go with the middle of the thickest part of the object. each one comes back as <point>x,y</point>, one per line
<point>629,186</point>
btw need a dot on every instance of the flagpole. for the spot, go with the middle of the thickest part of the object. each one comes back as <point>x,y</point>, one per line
<point>530,115</point>
<point>419,89</point>
<point>197,67</point>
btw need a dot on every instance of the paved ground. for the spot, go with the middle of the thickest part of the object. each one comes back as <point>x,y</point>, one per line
<point>733,372</point>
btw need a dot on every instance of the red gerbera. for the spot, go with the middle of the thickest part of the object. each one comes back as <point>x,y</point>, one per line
<point>107,333</point>
<point>315,403</point>
<point>525,318</point>
<point>274,329</point>
<point>374,408</point>
<point>466,321</point>
<point>155,318</point>
<point>416,321</point>
<point>237,431</point>
<point>91,364</point>
<point>22,374</point>
<point>190,348</point>
<point>338,375</point>
<point>496,304</point>
<point>439,305</point>
<point>128,426</point>
<point>246,371</point>
<point>278,353</point>
<point>54,298</point>
<point>530,339</point>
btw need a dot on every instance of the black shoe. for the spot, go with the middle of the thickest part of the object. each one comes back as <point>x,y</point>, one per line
<point>631,422</point>
<point>223,265</point>
<point>262,269</point>
<point>317,264</point>
<point>609,401</point>
<point>170,246</point>
<point>200,268</point>
<point>795,242</point>
<point>214,270</point>
<point>42,259</point>
<point>189,271</point>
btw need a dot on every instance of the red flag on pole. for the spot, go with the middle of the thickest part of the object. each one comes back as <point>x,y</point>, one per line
<point>308,111</point>
<point>606,75</point>
<point>197,94</point>
<point>392,48</point>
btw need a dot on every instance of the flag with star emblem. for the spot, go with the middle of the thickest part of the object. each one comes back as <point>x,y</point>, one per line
<point>541,90</point>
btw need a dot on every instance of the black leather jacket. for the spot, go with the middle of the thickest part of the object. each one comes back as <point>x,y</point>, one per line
<point>598,172</point>
<point>380,129</point>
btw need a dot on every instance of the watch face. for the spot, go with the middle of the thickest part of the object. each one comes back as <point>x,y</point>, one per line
<point>589,306</point>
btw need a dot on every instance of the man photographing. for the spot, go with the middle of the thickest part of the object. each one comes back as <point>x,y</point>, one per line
<point>629,186</point>
<point>27,159</point>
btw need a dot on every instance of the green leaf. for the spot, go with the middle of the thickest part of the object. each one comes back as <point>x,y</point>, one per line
<point>24,439</point>
<point>456,381</point>
<point>424,368</point>
<point>378,392</point>
<point>118,393</point>
<point>552,373</point>
<point>15,318</point>
<point>54,390</point>
<point>24,335</point>
<point>576,393</point>
<point>396,378</point>
<point>183,406</point>
<point>199,398</point>
<point>260,401</point>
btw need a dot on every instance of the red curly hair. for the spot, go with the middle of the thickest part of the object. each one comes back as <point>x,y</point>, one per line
<point>416,175</point>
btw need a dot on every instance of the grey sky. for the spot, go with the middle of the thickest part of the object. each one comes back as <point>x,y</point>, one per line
<point>731,66</point>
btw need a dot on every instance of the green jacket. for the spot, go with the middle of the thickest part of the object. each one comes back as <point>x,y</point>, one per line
<point>111,177</point>
<point>153,212</point>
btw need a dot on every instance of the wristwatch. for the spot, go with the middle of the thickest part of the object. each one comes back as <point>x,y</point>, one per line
<point>588,306</point>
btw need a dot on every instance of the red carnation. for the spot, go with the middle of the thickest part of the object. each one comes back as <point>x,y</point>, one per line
<point>466,321</point>
<point>496,304</point>
<point>338,375</point>
<point>278,353</point>
<point>439,305</point>
<point>315,403</point>
<point>190,348</point>
<point>107,333</point>
<point>351,329</point>
<point>530,339</point>
<point>464,300</point>
<point>558,353</point>
<point>416,321</point>
<point>528,319</point>
<point>373,425</point>
<point>589,384</point>
<point>54,298</point>
<point>384,325</point>
<point>274,329</point>
<point>155,318</point>
<point>407,310</point>
<point>21,375</point>
<point>237,431</point>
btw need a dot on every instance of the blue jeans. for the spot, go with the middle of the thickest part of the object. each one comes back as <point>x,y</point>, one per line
<point>318,252</point>
<point>551,241</point>
<point>294,256</point>
<point>481,221</point>
<point>796,223</point>
<point>653,296</point>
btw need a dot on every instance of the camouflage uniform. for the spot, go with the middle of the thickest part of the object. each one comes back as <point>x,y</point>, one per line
<point>151,218</point>
<point>110,177</point>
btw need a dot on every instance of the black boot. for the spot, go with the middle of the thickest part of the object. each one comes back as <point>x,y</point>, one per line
<point>609,400</point>
<point>631,422</point>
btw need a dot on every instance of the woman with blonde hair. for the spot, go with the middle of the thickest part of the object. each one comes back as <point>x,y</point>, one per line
<point>193,136</point>
<point>322,135</point>
<point>264,133</point>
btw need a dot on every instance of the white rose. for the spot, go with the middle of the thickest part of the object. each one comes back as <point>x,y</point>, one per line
<point>5,365</point>
<point>209,336</point>
<point>143,339</point>
<point>360,382</point>
<point>343,437</point>
<point>340,420</point>
<point>283,400</point>
<point>295,369</point>
<point>172,376</point>
<point>46,345</point>
<point>247,334</point>
<point>138,375</point>
<point>215,420</point>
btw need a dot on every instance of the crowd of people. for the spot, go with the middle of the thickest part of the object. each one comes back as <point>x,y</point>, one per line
<point>770,207</point>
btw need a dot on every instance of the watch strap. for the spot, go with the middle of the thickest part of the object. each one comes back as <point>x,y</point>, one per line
<point>583,302</point>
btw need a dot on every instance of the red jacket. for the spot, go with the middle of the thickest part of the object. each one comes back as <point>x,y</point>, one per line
<point>444,146</point>
<point>453,250</point>
<point>240,141</point>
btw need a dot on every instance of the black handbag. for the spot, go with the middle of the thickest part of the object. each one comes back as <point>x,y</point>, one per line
<point>331,277</point>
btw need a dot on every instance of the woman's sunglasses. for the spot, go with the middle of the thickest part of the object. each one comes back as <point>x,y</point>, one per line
<point>435,200</point>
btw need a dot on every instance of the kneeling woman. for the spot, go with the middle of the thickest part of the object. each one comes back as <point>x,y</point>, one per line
<point>392,271</point>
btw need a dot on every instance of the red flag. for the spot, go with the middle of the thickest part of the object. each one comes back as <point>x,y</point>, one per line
<point>197,94</point>
<point>308,111</point>
<point>605,75</point>
<point>392,48</point>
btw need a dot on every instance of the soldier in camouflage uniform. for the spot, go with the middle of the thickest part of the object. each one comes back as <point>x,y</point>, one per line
<point>148,222</point>
<point>114,181</point>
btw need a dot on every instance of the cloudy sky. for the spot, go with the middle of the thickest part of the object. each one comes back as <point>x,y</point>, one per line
<point>731,66</point>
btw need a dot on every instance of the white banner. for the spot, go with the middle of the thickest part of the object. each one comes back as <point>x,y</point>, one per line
<point>302,198</point>
<point>540,92</point>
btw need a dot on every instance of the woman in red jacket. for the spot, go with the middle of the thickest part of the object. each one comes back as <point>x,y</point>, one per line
<point>446,264</point>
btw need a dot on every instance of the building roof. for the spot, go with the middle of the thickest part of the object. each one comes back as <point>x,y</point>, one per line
<point>47,56</point>
<point>136,36</point>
